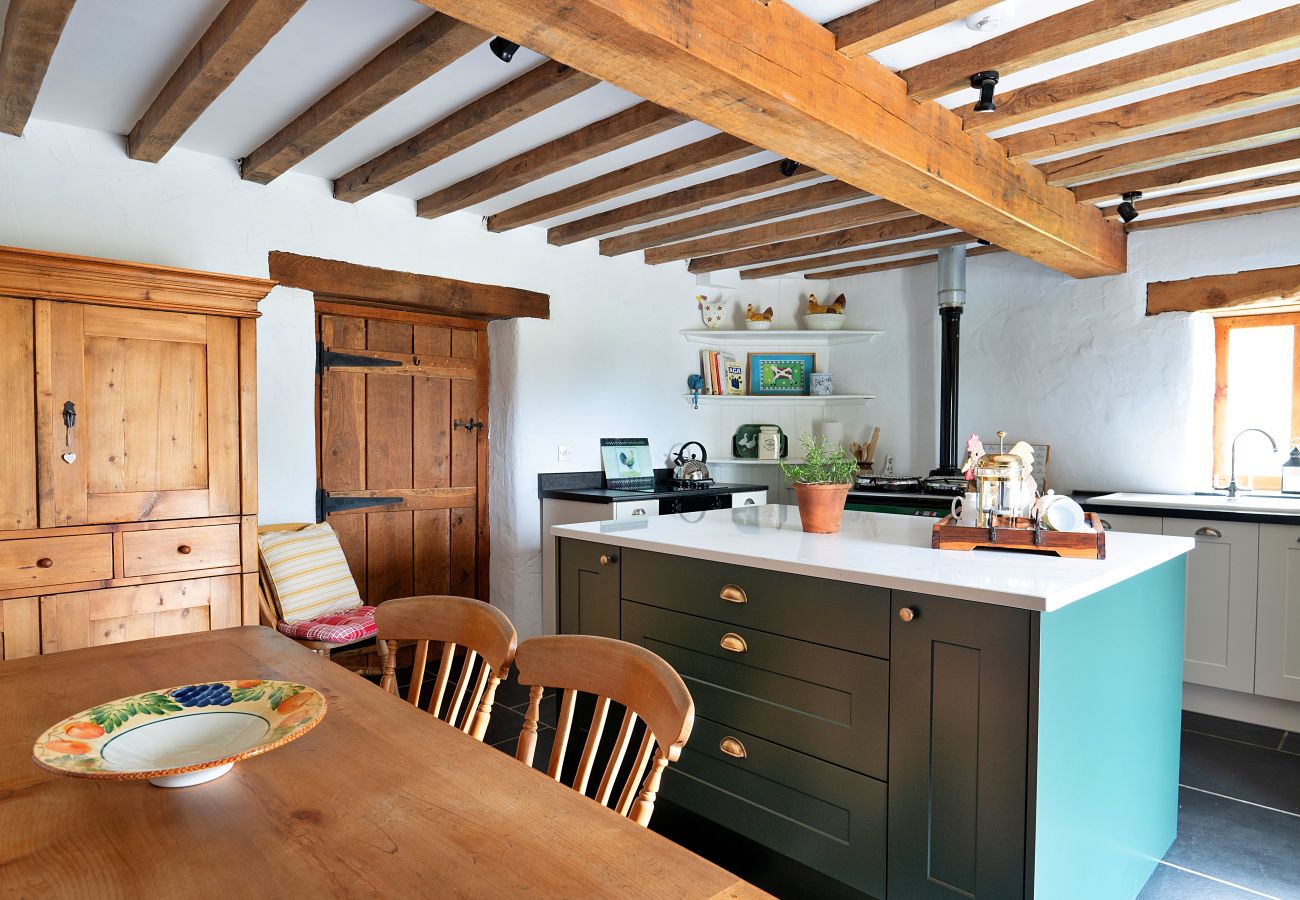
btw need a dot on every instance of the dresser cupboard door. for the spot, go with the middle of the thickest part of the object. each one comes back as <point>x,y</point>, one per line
<point>1277,649</point>
<point>156,398</point>
<point>18,415</point>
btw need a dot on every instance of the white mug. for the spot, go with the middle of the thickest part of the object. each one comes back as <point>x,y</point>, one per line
<point>965,510</point>
<point>1060,513</point>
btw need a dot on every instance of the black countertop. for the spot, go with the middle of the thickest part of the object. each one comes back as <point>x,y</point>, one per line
<point>589,487</point>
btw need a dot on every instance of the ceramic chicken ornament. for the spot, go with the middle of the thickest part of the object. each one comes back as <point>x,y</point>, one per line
<point>712,312</point>
<point>974,450</point>
<point>836,308</point>
<point>757,321</point>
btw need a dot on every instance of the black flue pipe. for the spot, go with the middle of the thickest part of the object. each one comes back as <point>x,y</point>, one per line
<point>950,358</point>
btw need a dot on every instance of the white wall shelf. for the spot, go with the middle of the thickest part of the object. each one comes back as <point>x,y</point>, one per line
<point>763,398</point>
<point>786,337</point>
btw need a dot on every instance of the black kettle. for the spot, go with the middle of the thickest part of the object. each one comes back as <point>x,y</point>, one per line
<point>691,468</point>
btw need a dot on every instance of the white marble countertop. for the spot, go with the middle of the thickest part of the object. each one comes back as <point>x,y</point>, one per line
<point>1244,503</point>
<point>885,550</point>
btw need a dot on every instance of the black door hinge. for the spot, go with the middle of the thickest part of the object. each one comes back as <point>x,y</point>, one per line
<point>328,358</point>
<point>325,504</point>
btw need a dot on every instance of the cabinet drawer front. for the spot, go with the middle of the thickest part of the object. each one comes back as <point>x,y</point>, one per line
<point>1132,524</point>
<point>55,560</point>
<point>636,509</point>
<point>849,616</point>
<point>179,549</point>
<point>818,700</point>
<point>824,816</point>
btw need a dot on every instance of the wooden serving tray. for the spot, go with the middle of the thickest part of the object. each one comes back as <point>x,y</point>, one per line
<point>947,535</point>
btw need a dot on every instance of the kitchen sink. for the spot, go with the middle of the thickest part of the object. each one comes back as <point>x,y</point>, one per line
<point>1271,495</point>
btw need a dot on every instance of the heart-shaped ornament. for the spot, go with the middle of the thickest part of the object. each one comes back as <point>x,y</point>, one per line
<point>69,458</point>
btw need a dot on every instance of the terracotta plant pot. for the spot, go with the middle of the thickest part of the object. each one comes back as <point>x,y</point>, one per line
<point>821,506</point>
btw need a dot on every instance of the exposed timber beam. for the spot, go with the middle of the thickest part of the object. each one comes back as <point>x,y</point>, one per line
<point>887,22</point>
<point>906,263</point>
<point>1209,292</point>
<point>868,213</point>
<point>766,73</point>
<point>537,89</point>
<point>31,32</point>
<point>1214,215</point>
<point>1195,55</point>
<point>880,251</point>
<point>1241,164</point>
<point>697,157</point>
<point>236,35</point>
<point>757,180</point>
<point>1273,84</point>
<point>1236,192</point>
<point>1179,146</point>
<point>1074,30</point>
<point>912,226</point>
<point>415,56</point>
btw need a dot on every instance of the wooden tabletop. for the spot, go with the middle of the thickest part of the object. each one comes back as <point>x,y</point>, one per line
<point>380,799</point>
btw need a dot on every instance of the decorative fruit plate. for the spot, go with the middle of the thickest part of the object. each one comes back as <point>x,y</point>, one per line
<point>180,736</point>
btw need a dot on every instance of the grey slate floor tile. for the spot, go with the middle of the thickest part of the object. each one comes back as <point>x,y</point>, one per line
<point>1242,771</point>
<point>1237,731</point>
<point>1168,883</point>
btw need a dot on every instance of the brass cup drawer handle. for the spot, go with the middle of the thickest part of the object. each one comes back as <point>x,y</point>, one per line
<point>1105,526</point>
<point>733,594</point>
<point>733,642</point>
<point>44,562</point>
<point>608,559</point>
<point>733,747</point>
<point>184,549</point>
<point>1209,532</point>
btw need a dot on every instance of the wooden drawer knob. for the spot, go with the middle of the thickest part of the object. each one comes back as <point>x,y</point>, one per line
<point>608,558</point>
<point>44,562</point>
<point>733,594</point>
<point>733,642</point>
<point>733,747</point>
<point>907,613</point>
<point>184,549</point>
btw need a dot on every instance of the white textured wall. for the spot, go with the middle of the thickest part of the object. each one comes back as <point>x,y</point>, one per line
<point>1126,401</point>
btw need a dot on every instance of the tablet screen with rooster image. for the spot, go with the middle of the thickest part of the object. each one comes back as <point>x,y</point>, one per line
<point>627,463</point>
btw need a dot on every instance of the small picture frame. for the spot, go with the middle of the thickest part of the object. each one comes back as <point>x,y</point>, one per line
<point>781,374</point>
<point>627,463</point>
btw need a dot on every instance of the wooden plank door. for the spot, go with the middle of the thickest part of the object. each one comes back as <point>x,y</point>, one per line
<point>403,477</point>
<point>156,397</point>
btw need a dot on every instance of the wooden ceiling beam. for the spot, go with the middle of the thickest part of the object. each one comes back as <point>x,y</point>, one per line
<point>782,204</point>
<point>1236,192</point>
<point>31,32</point>
<point>697,157</point>
<point>415,56</point>
<point>878,251</point>
<point>236,35</point>
<point>768,74</point>
<point>912,226</point>
<point>537,89</point>
<point>887,22</point>
<point>869,213</point>
<point>1242,164</point>
<point>1211,292</point>
<point>757,180</point>
<point>1213,215</point>
<point>1195,55</point>
<point>1273,84</point>
<point>1179,146</point>
<point>1072,31</point>
<point>906,263</point>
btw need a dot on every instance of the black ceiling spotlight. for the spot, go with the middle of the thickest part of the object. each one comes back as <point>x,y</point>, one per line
<point>982,242</point>
<point>502,49</point>
<point>984,82</point>
<point>789,167</point>
<point>1127,211</point>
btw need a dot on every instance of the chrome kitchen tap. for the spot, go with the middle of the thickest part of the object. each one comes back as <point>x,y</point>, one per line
<point>1232,476</point>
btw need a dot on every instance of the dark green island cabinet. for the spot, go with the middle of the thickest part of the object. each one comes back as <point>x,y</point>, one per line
<point>907,744</point>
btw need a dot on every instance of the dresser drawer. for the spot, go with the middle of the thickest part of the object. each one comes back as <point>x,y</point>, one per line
<point>67,559</point>
<point>819,700</point>
<point>849,616</point>
<point>189,549</point>
<point>822,815</point>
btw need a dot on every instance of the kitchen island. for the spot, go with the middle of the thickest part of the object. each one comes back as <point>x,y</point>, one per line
<point>911,722</point>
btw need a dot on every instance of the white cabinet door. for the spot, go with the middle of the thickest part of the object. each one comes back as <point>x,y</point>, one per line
<point>1222,575</point>
<point>1277,648</point>
<point>635,509</point>
<point>749,498</point>
<point>1132,524</point>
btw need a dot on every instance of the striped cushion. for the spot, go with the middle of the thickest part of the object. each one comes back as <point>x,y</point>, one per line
<point>308,572</point>
<point>339,628</point>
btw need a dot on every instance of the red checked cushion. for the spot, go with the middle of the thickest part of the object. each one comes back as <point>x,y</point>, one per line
<point>336,628</point>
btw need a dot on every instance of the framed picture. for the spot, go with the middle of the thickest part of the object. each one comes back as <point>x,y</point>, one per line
<point>781,373</point>
<point>627,463</point>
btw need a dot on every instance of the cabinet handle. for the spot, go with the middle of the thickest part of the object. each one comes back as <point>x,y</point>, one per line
<point>749,502</point>
<point>907,613</point>
<point>607,558</point>
<point>733,747</point>
<point>1105,526</point>
<point>1209,532</point>
<point>184,549</point>
<point>44,562</point>
<point>733,594</point>
<point>638,511</point>
<point>733,642</point>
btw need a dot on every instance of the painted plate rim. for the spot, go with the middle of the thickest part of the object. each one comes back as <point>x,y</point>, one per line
<point>144,774</point>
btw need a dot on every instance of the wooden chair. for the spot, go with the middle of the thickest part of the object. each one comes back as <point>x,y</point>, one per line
<point>484,632</point>
<point>615,671</point>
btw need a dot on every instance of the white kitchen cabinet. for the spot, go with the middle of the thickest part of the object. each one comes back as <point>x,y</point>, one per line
<point>1222,577</point>
<point>767,474</point>
<point>750,498</point>
<point>1277,646</point>
<point>1132,524</point>
<point>634,509</point>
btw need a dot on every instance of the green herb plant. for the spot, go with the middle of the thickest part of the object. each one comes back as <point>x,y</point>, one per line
<point>822,463</point>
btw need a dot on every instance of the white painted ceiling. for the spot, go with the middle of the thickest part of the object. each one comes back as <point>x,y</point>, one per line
<point>115,55</point>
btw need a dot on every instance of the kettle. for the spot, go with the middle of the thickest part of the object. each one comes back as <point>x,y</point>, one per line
<point>691,468</point>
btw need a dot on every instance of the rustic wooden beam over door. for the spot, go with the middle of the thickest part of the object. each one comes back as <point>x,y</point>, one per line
<point>31,32</point>
<point>768,74</point>
<point>405,290</point>
<point>238,34</point>
<point>887,22</point>
<point>1210,292</point>
<point>415,56</point>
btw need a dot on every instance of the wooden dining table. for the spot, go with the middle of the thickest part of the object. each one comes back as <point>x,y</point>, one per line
<point>379,800</point>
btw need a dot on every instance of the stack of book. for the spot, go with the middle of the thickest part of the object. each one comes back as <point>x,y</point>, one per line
<point>723,373</point>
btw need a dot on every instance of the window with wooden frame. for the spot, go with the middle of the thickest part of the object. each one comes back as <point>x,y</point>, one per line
<point>1256,385</point>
